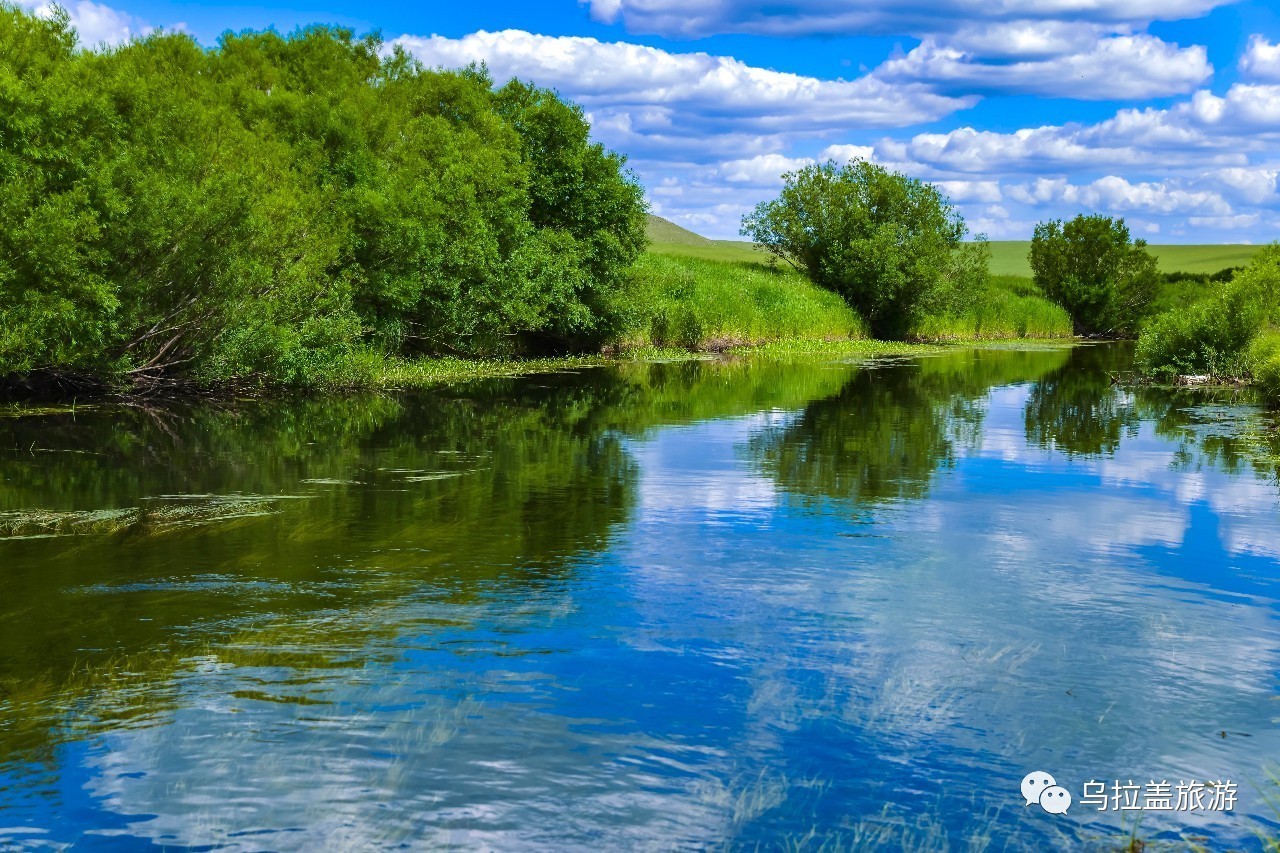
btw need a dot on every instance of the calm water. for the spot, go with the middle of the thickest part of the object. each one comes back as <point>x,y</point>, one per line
<point>701,605</point>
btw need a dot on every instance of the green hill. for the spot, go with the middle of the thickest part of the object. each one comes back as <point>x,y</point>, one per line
<point>661,230</point>
<point>1009,257</point>
<point>667,238</point>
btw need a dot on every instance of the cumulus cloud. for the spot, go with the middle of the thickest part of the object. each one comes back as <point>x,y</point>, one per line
<point>1225,223</point>
<point>698,18</point>
<point>1261,60</point>
<point>1027,40</point>
<point>1203,131</point>
<point>1251,185</point>
<point>984,191</point>
<point>845,153</point>
<point>95,24</point>
<point>1140,66</point>
<point>709,92</point>
<point>1116,194</point>
<point>1082,49</point>
<point>967,149</point>
<point>761,170</point>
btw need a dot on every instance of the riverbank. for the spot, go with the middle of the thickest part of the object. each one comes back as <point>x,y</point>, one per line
<point>396,374</point>
<point>693,292</point>
<point>380,374</point>
<point>677,302</point>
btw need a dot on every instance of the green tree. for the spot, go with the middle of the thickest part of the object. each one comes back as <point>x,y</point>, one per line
<point>278,208</point>
<point>887,243</point>
<point>1096,271</point>
<point>588,212</point>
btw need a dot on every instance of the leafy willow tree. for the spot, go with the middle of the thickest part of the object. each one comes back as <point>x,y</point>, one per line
<point>889,244</point>
<point>277,206</point>
<point>1094,269</point>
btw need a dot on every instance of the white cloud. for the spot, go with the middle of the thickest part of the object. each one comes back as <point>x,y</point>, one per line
<point>845,153</point>
<point>96,24</point>
<point>1254,108</point>
<point>1225,223</point>
<point>697,18</point>
<point>1113,194</point>
<point>1203,131</point>
<point>1261,60</point>
<point>984,191</point>
<point>1140,66</point>
<point>1027,40</point>
<point>693,92</point>
<point>761,170</point>
<point>1254,185</point>
<point>1036,149</point>
<point>1082,49</point>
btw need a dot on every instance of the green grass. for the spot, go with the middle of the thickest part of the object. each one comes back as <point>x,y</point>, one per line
<point>728,251</point>
<point>724,290</point>
<point>1009,257</point>
<point>1011,307</point>
<point>684,300</point>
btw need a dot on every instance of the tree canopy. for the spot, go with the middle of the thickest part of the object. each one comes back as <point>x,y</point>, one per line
<point>889,244</point>
<point>273,205</point>
<point>1091,267</point>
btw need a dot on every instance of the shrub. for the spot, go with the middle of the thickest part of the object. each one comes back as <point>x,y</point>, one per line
<point>1213,335</point>
<point>1264,361</point>
<point>1091,267</point>
<point>885,242</point>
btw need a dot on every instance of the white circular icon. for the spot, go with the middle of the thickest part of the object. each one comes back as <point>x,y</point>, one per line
<point>1055,799</point>
<point>1033,784</point>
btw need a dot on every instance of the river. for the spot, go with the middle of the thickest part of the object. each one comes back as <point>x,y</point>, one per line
<point>713,604</point>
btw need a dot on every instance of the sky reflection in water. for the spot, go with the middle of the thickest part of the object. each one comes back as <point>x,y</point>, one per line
<point>650,606</point>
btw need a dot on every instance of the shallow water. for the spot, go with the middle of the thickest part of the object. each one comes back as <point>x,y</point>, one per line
<point>710,604</point>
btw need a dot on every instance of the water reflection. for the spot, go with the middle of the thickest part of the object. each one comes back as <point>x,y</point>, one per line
<point>888,430</point>
<point>697,604</point>
<point>1077,409</point>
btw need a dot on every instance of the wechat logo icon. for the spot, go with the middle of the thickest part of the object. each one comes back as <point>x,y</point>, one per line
<point>1040,787</point>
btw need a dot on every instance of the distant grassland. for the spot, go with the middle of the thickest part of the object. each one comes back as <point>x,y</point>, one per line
<point>1008,257</point>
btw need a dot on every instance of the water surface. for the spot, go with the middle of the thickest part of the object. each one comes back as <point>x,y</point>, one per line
<point>693,605</point>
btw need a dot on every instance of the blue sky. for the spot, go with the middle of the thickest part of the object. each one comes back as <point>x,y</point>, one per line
<point>1165,112</point>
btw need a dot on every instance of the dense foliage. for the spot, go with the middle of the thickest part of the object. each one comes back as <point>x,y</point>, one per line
<point>889,244</point>
<point>1094,269</point>
<point>277,206</point>
<point>1229,332</point>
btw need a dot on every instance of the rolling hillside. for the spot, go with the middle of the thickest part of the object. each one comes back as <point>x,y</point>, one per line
<point>1008,257</point>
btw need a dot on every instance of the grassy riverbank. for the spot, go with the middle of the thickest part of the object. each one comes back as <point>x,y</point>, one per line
<point>681,302</point>
<point>706,294</point>
<point>390,374</point>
